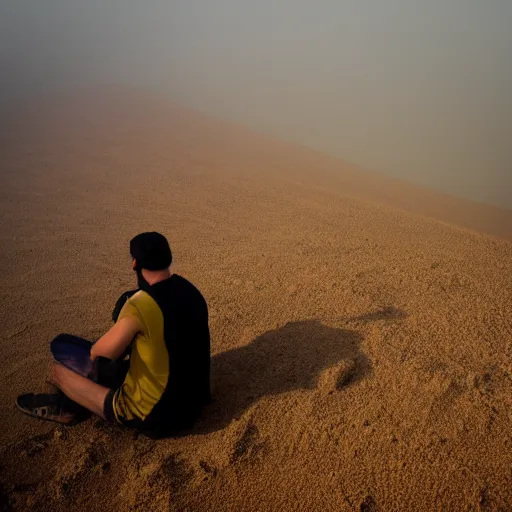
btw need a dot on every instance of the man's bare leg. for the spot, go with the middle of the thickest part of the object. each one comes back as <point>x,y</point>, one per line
<point>79,389</point>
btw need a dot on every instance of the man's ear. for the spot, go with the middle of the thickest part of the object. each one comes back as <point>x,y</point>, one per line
<point>134,264</point>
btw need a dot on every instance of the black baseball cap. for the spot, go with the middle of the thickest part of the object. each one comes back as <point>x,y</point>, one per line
<point>151,250</point>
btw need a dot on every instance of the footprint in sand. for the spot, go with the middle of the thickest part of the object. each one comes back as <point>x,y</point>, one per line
<point>34,445</point>
<point>368,505</point>
<point>174,473</point>
<point>248,445</point>
<point>337,377</point>
<point>163,483</point>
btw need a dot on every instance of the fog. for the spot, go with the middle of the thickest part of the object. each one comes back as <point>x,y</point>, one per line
<point>418,90</point>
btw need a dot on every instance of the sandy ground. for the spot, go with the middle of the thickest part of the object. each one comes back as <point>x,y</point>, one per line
<point>361,352</point>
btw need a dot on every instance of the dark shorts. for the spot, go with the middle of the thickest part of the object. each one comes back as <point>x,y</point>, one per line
<point>147,427</point>
<point>111,417</point>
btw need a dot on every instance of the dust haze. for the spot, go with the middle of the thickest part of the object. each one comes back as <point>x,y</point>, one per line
<point>418,90</point>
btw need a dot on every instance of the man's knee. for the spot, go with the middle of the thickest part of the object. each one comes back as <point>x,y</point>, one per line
<point>60,339</point>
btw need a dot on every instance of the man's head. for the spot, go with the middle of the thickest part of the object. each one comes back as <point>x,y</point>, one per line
<point>151,255</point>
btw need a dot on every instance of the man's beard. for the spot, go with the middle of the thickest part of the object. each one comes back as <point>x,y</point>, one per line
<point>141,282</point>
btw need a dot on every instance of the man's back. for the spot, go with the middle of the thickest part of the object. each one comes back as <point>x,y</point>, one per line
<point>169,377</point>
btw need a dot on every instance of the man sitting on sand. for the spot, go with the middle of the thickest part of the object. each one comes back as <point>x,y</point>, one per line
<point>151,370</point>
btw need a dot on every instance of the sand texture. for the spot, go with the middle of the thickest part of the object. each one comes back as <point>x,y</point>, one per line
<point>361,342</point>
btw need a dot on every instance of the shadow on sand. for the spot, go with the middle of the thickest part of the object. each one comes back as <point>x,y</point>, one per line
<point>286,359</point>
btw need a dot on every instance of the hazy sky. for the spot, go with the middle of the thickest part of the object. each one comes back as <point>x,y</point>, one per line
<point>417,89</point>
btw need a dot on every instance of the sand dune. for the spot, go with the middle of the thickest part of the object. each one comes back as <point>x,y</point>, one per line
<point>361,342</point>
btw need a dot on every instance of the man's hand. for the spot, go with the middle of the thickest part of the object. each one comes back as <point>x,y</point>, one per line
<point>113,344</point>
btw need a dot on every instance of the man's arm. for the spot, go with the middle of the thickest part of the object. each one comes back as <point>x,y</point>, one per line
<point>113,344</point>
